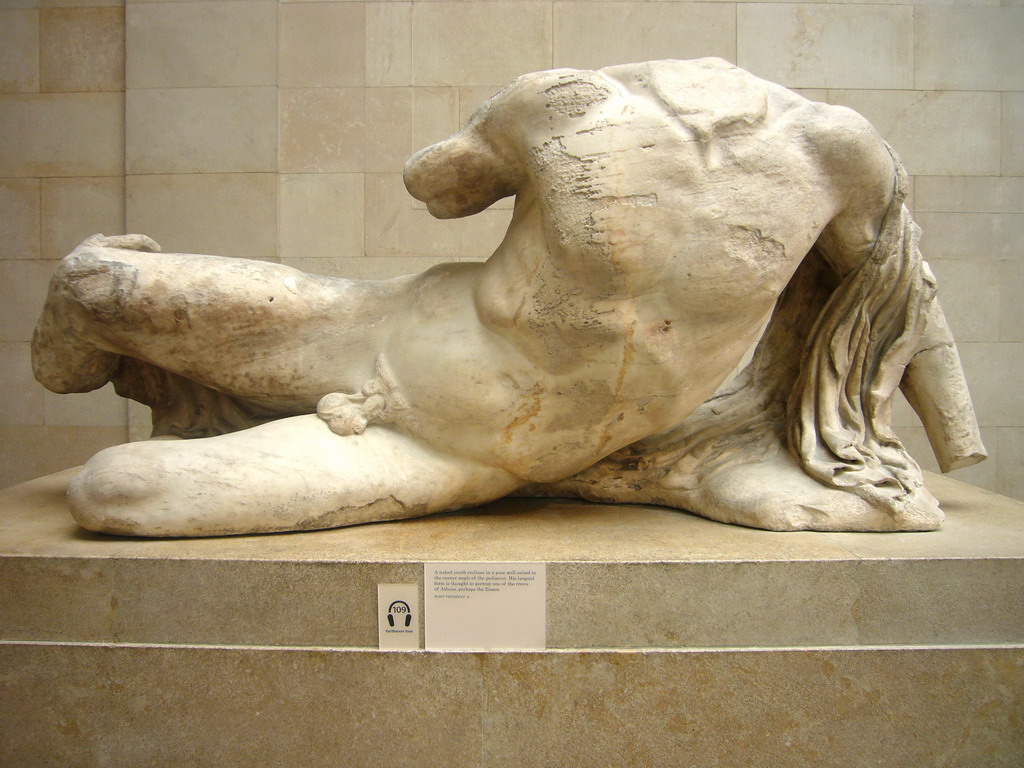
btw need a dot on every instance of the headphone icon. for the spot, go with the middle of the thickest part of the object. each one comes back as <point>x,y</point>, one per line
<point>399,606</point>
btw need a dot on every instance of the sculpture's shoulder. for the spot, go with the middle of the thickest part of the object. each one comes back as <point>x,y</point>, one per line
<point>847,141</point>
<point>715,98</point>
<point>706,92</point>
<point>710,96</point>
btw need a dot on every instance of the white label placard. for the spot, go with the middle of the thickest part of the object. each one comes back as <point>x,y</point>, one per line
<point>485,606</point>
<point>398,621</point>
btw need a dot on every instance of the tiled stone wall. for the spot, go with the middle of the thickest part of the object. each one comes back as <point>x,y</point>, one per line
<point>61,178</point>
<point>278,130</point>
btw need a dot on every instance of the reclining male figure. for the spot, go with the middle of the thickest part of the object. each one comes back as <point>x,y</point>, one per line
<point>660,211</point>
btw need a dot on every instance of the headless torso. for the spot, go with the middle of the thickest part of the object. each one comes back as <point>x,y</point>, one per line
<point>660,210</point>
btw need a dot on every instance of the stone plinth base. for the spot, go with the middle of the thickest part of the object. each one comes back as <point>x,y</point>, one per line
<point>672,641</point>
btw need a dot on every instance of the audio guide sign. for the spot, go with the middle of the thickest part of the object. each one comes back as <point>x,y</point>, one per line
<point>485,606</point>
<point>398,623</point>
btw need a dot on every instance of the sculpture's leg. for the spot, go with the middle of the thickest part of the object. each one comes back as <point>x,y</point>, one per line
<point>247,328</point>
<point>290,474</point>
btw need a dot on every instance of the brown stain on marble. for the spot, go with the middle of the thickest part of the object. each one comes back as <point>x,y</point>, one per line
<point>529,408</point>
<point>627,361</point>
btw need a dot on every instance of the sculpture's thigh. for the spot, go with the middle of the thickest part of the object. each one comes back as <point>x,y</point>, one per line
<point>248,328</point>
<point>290,474</point>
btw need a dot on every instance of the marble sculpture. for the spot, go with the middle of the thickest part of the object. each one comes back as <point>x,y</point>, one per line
<point>663,213</point>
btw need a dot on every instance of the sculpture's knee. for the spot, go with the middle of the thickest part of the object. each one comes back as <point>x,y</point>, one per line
<point>67,355</point>
<point>97,288</point>
<point>119,491</point>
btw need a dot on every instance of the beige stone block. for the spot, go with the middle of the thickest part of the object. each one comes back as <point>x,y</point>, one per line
<point>321,216</point>
<point>1010,462</point>
<point>19,223</point>
<point>472,97</point>
<point>972,235</point>
<point>100,408</point>
<point>783,604</point>
<point>606,708</point>
<point>30,451</point>
<point>185,601</point>
<point>389,129</point>
<point>589,36</point>
<point>84,3</point>
<point>19,50</point>
<point>220,214</point>
<point>936,133</point>
<point>22,401</point>
<point>992,369</point>
<point>479,43</point>
<point>191,45</point>
<point>82,49</point>
<point>322,130</point>
<point>322,44</point>
<point>201,130</point>
<point>435,115</point>
<point>166,706</point>
<point>49,586</point>
<point>393,224</point>
<point>970,194</point>
<point>24,285</point>
<point>140,421</point>
<point>902,414</point>
<point>395,228</point>
<point>62,134</point>
<point>75,208</point>
<point>813,94</point>
<point>969,292</point>
<point>389,43</point>
<point>482,233</point>
<point>150,2</point>
<point>969,48</point>
<point>827,46</point>
<point>1013,134</point>
<point>1011,300</point>
<point>919,2</point>
<point>326,266</point>
<point>773,708</point>
<point>709,598</point>
<point>139,415</point>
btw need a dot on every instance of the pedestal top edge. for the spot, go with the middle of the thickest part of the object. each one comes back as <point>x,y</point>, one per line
<point>35,522</point>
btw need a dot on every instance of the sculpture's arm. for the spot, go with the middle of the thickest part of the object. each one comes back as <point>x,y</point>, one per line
<point>868,174</point>
<point>860,171</point>
<point>472,169</point>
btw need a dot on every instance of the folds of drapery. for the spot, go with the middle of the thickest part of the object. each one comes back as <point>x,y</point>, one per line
<point>868,332</point>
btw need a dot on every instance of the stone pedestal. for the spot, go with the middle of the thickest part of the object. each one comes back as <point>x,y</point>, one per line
<point>672,640</point>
